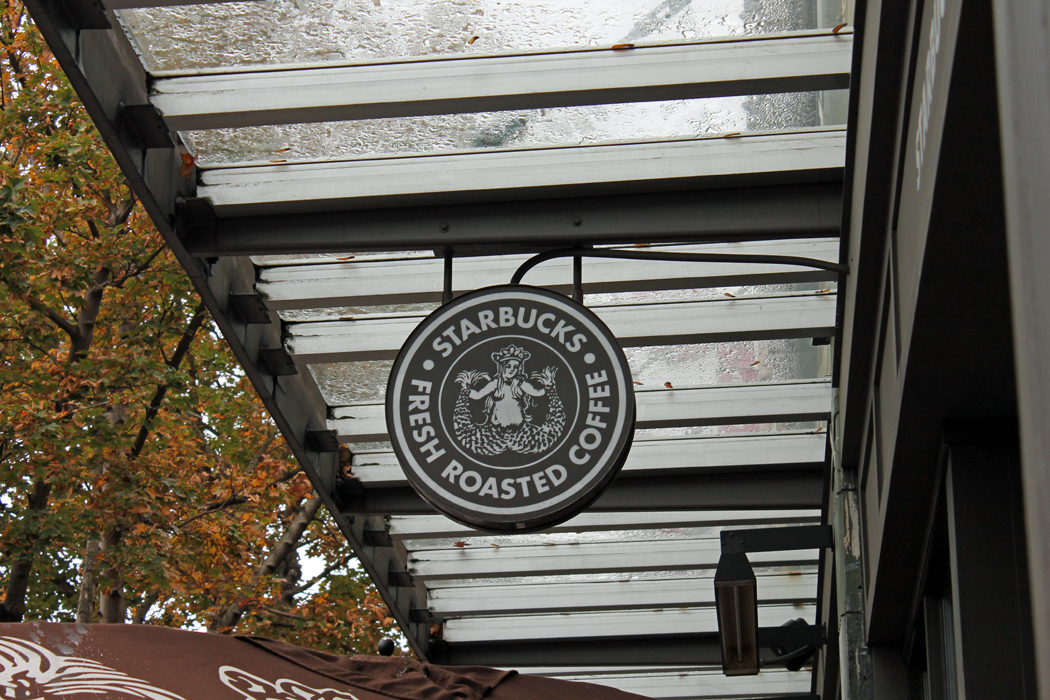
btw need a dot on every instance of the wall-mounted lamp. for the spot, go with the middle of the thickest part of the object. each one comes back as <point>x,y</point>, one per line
<point>736,600</point>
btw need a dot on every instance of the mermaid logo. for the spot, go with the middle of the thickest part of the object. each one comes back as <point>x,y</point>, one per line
<point>510,408</point>
<point>508,422</point>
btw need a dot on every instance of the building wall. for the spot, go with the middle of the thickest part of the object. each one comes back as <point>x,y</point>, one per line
<point>927,384</point>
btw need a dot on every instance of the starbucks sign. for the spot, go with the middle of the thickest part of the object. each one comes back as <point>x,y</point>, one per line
<point>510,408</point>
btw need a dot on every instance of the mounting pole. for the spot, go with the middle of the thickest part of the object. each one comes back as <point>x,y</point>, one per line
<point>577,279</point>
<point>446,292</point>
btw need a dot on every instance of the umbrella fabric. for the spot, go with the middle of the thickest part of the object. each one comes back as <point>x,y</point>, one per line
<point>45,661</point>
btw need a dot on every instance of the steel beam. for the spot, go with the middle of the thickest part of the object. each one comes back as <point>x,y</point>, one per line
<point>420,279</point>
<point>657,408</point>
<point>629,594</point>
<point>780,211</point>
<point>753,159</point>
<point>796,488</point>
<point>607,624</point>
<point>602,654</point>
<point>421,527</point>
<point>751,66</point>
<point>562,559</point>
<point>635,325</point>
<point>659,457</point>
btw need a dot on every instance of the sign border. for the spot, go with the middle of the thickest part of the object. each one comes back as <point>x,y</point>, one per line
<point>571,502</point>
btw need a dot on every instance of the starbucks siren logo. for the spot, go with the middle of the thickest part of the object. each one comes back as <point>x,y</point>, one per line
<point>510,408</point>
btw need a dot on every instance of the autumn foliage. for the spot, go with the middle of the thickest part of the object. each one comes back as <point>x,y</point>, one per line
<point>141,478</point>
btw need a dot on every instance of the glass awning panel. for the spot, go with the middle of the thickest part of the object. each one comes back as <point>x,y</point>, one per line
<point>495,131</point>
<point>354,31</point>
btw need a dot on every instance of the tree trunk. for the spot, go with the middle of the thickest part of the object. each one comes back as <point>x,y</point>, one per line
<point>88,579</point>
<point>228,617</point>
<point>14,606</point>
<point>112,606</point>
<point>142,609</point>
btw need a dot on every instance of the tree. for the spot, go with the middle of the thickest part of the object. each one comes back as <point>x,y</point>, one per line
<point>139,474</point>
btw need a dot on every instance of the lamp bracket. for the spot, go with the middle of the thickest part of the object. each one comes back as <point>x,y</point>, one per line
<point>777,539</point>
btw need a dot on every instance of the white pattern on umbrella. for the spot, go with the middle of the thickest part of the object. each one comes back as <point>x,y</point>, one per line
<point>31,671</point>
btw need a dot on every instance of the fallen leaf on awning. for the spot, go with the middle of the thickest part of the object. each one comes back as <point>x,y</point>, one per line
<point>186,169</point>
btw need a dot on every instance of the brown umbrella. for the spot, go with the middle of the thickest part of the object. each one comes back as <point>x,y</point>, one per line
<point>45,661</point>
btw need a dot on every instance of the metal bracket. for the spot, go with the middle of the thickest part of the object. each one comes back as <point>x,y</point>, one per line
<point>87,14</point>
<point>322,441</point>
<point>777,539</point>
<point>145,122</point>
<point>422,616</point>
<point>400,579</point>
<point>277,362</point>
<point>250,308</point>
<point>378,538</point>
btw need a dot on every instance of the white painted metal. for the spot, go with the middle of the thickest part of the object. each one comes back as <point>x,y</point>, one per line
<point>795,316</point>
<point>420,280</point>
<point>608,624</point>
<point>567,558</point>
<point>658,456</point>
<point>682,686</point>
<point>635,594</point>
<point>418,527</point>
<point>712,161</point>
<point>658,408</point>
<point>442,86</point>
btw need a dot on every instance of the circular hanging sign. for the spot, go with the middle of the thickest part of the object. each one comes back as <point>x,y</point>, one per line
<point>510,408</point>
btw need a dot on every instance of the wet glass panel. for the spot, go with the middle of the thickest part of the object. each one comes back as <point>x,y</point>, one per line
<point>281,32</point>
<point>519,129</point>
<point>668,366</point>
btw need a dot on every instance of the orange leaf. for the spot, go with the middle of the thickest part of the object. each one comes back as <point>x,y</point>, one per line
<point>186,169</point>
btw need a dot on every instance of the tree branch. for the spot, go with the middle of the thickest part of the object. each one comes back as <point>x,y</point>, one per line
<point>329,570</point>
<point>143,608</point>
<point>92,304</point>
<point>42,308</point>
<point>14,606</point>
<point>290,616</point>
<point>158,396</point>
<point>229,616</point>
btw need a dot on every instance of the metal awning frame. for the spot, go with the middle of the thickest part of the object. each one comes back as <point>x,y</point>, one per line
<point>212,246</point>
